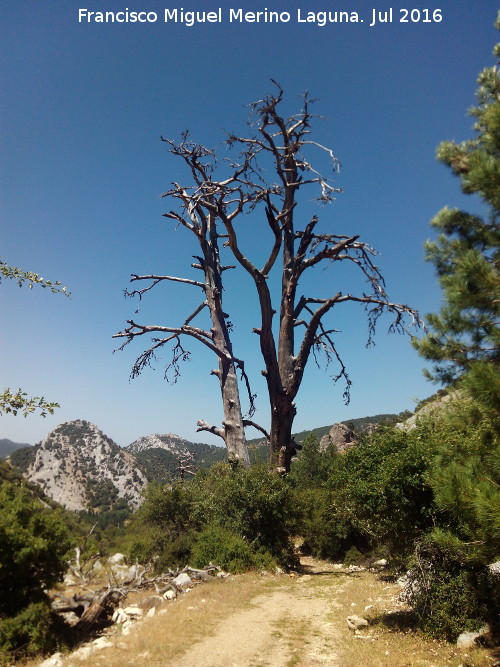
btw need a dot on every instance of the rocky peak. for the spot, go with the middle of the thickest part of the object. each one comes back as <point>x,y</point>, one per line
<point>169,441</point>
<point>80,467</point>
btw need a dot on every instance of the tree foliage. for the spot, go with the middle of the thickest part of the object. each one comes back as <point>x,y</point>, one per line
<point>19,402</point>
<point>30,278</point>
<point>33,546</point>
<point>15,402</point>
<point>465,476</point>
<point>466,253</point>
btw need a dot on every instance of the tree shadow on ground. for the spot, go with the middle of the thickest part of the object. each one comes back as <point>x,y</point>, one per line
<point>400,621</point>
<point>304,568</point>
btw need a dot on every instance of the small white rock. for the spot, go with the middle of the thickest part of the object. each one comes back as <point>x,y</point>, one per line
<point>151,612</point>
<point>183,580</point>
<point>70,618</point>
<point>356,622</point>
<point>56,660</point>
<point>127,627</point>
<point>494,568</point>
<point>116,559</point>
<point>83,653</point>
<point>134,611</point>
<point>119,616</point>
<point>467,640</point>
<point>170,594</point>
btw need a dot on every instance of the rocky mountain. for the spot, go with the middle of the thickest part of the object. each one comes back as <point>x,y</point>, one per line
<point>169,441</point>
<point>81,468</point>
<point>434,405</point>
<point>7,447</point>
<point>158,455</point>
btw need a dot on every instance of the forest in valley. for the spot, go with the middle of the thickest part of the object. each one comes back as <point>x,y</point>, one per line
<point>426,498</point>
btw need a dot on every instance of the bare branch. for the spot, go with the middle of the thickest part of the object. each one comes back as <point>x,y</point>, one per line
<point>205,426</point>
<point>156,280</point>
<point>188,281</point>
<point>249,422</point>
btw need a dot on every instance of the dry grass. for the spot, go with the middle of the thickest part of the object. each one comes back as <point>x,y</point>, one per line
<point>178,624</point>
<point>390,642</point>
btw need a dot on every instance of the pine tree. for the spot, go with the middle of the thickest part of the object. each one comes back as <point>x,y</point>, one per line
<point>453,586</point>
<point>466,253</point>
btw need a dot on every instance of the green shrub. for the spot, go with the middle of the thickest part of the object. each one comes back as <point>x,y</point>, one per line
<point>376,496</point>
<point>353,556</point>
<point>33,546</point>
<point>254,504</point>
<point>35,629</point>
<point>162,530</point>
<point>450,596</point>
<point>228,550</point>
<point>325,533</point>
<point>311,467</point>
<point>177,552</point>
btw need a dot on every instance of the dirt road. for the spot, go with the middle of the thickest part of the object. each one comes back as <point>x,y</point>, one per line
<point>275,629</point>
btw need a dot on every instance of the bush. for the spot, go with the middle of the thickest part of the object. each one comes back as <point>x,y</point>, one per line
<point>33,630</point>
<point>228,550</point>
<point>160,530</point>
<point>448,595</point>
<point>376,496</point>
<point>325,533</point>
<point>254,505</point>
<point>33,545</point>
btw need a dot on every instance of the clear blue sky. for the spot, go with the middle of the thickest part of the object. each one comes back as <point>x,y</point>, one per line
<point>83,108</point>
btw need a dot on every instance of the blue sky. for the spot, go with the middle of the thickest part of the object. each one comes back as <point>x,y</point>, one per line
<point>83,109</point>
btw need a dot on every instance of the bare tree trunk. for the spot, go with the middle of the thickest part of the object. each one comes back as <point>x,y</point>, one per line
<point>281,444</point>
<point>233,429</point>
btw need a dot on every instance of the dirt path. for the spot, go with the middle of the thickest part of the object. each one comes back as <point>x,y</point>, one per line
<point>286,627</point>
<point>277,621</point>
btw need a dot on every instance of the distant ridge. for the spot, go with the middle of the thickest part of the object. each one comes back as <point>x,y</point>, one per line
<point>7,447</point>
<point>157,455</point>
<point>81,468</point>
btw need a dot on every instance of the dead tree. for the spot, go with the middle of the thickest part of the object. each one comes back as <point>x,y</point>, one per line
<point>283,145</point>
<point>214,209</point>
<point>186,465</point>
<point>198,218</point>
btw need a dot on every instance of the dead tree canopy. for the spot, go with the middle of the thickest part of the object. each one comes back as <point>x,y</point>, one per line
<point>266,170</point>
<point>283,147</point>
